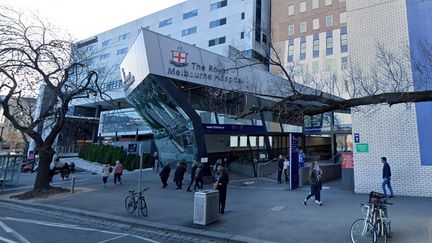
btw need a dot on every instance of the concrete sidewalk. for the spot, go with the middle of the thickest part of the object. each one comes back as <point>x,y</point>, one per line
<point>256,208</point>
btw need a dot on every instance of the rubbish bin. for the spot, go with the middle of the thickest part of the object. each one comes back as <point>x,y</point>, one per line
<point>206,207</point>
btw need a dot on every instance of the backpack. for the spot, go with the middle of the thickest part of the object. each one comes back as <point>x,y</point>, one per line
<point>110,169</point>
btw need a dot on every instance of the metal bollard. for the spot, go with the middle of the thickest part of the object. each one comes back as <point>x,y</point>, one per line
<point>72,185</point>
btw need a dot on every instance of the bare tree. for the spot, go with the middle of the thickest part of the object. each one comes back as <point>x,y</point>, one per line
<point>388,81</point>
<point>33,52</point>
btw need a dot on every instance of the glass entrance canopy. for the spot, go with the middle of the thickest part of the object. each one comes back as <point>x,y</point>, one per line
<point>184,92</point>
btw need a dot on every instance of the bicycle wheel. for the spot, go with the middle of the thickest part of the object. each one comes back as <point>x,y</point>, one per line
<point>362,232</point>
<point>130,204</point>
<point>143,206</point>
<point>381,231</point>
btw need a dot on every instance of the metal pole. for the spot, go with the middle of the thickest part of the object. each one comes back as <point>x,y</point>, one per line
<point>290,162</point>
<point>72,190</point>
<point>140,171</point>
<point>2,160</point>
<point>141,162</point>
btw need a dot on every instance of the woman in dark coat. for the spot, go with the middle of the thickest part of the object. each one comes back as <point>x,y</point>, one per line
<point>315,174</point>
<point>179,173</point>
<point>164,174</point>
<point>193,175</point>
<point>222,185</point>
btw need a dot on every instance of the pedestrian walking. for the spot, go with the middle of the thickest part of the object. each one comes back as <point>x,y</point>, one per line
<point>72,167</point>
<point>199,177</point>
<point>164,174</point>
<point>52,171</point>
<point>65,171</point>
<point>301,158</point>
<point>215,170</point>
<point>222,185</point>
<point>193,175</point>
<point>315,184</point>
<point>156,162</point>
<point>106,170</point>
<point>386,177</point>
<point>118,172</point>
<point>280,168</point>
<point>285,169</point>
<point>179,174</point>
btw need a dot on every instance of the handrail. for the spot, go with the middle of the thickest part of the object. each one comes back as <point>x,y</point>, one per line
<point>337,154</point>
<point>266,163</point>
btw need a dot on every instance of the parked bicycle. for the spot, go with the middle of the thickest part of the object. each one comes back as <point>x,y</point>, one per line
<point>375,226</point>
<point>136,200</point>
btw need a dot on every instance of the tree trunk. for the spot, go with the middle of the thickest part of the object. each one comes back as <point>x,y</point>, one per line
<point>43,174</point>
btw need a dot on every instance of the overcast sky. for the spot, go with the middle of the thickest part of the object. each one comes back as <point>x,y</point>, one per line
<point>84,18</point>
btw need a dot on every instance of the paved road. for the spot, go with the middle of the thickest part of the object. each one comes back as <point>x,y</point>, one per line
<point>22,224</point>
<point>256,209</point>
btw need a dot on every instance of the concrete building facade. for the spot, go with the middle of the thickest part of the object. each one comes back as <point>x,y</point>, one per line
<point>220,26</point>
<point>311,36</point>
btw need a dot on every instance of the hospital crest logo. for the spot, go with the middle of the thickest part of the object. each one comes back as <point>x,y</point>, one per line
<point>179,57</point>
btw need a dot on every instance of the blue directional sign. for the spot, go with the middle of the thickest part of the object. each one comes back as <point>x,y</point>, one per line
<point>356,137</point>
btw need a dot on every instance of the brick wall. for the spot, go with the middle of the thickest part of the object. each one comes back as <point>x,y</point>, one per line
<point>389,131</point>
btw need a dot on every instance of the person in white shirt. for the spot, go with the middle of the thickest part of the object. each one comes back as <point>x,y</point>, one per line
<point>285,169</point>
<point>106,170</point>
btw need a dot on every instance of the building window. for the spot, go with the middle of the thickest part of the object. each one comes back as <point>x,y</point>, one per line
<point>315,4</point>
<point>264,38</point>
<point>291,51</point>
<point>290,10</point>
<point>316,46</point>
<point>329,43</point>
<point>343,18</point>
<point>303,48</point>
<point>216,23</point>
<point>218,5</point>
<point>165,22</point>
<point>329,21</point>
<point>242,35</point>
<point>303,27</point>
<point>242,15</point>
<point>122,51</point>
<point>190,14</point>
<point>328,2</point>
<point>104,56</point>
<point>91,48</point>
<point>189,31</point>
<point>233,141</point>
<point>344,63</point>
<point>315,24</point>
<point>291,29</point>
<point>217,41</point>
<point>258,21</point>
<point>106,42</point>
<point>303,7</point>
<point>257,34</point>
<point>124,36</point>
<point>344,39</point>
